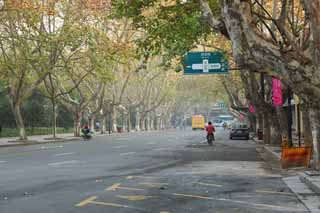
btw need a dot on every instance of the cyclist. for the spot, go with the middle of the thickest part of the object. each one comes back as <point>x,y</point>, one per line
<point>210,131</point>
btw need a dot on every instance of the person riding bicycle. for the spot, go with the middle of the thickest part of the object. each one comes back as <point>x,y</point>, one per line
<point>210,130</point>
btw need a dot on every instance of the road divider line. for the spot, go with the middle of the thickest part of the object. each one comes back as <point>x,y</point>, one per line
<point>86,201</point>
<point>64,162</point>
<point>116,186</point>
<point>193,196</point>
<point>92,200</point>
<point>119,147</point>
<point>127,153</point>
<point>3,161</point>
<point>63,154</point>
<point>208,184</point>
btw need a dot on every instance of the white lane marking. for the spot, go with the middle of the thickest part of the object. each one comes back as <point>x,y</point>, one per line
<point>127,153</point>
<point>121,139</point>
<point>63,154</point>
<point>160,149</point>
<point>119,147</point>
<point>3,161</point>
<point>51,147</point>
<point>151,143</point>
<point>64,162</point>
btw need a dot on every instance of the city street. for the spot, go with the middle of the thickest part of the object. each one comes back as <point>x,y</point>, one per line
<point>158,171</point>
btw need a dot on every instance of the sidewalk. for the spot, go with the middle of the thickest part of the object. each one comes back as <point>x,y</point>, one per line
<point>305,185</point>
<point>37,139</point>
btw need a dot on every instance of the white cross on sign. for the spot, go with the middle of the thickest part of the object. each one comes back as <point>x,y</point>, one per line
<point>205,66</point>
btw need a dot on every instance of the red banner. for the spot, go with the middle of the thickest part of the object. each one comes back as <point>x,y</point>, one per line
<point>276,92</point>
<point>252,109</point>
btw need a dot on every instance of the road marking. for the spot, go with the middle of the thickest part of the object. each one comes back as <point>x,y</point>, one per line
<point>165,212</point>
<point>3,161</point>
<point>91,200</point>
<point>135,197</point>
<point>274,192</point>
<point>63,154</point>
<point>86,201</point>
<point>160,149</point>
<point>208,184</point>
<point>267,206</point>
<point>51,147</point>
<point>127,153</point>
<point>136,177</point>
<point>116,186</point>
<point>119,147</point>
<point>153,185</point>
<point>64,162</point>
<point>151,143</point>
<point>193,196</point>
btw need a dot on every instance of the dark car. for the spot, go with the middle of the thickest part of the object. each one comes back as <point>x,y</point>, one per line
<point>239,131</point>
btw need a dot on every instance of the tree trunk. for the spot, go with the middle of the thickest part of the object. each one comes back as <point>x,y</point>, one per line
<point>103,124</point>
<point>16,107</point>
<point>129,121</point>
<point>307,130</point>
<point>114,119</point>
<point>92,122</point>
<point>137,123</point>
<point>54,117</point>
<point>267,129</point>
<point>77,123</point>
<point>315,120</point>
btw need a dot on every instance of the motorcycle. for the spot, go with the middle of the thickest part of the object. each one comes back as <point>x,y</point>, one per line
<point>86,135</point>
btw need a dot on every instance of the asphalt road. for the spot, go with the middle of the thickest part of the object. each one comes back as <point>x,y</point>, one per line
<point>160,172</point>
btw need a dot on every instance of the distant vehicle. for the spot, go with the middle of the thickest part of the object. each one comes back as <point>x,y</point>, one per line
<point>228,119</point>
<point>217,122</point>
<point>198,122</point>
<point>239,130</point>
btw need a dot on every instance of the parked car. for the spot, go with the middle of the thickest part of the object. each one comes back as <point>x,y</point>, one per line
<point>239,130</point>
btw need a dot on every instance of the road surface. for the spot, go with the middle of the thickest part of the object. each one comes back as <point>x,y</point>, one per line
<point>160,172</point>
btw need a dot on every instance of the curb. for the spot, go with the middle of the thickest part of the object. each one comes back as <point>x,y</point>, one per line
<point>276,155</point>
<point>41,142</point>
<point>311,183</point>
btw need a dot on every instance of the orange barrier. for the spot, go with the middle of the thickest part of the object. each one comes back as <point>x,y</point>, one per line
<point>295,156</point>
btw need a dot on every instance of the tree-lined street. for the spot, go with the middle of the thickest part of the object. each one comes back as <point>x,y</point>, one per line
<point>172,171</point>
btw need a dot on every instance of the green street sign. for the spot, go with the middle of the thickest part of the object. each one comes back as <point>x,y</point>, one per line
<point>205,63</point>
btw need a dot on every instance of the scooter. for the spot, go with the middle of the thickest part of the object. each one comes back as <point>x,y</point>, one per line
<point>86,135</point>
<point>210,138</point>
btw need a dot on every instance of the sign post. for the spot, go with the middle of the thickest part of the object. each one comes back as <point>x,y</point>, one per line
<point>205,63</point>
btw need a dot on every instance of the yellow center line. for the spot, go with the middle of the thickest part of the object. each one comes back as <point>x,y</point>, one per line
<point>193,196</point>
<point>86,201</point>
<point>208,184</point>
<point>117,186</point>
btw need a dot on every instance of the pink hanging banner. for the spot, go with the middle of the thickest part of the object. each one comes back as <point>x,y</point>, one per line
<point>276,92</point>
<point>252,109</point>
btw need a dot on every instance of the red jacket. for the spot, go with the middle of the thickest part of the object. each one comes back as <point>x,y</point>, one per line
<point>210,129</point>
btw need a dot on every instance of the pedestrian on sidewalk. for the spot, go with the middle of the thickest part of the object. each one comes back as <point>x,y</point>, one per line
<point>0,130</point>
